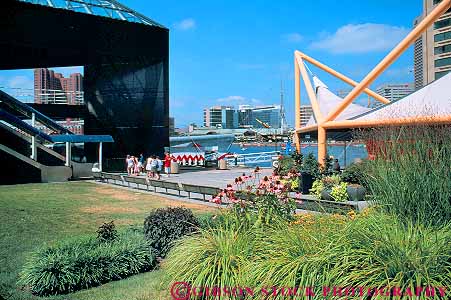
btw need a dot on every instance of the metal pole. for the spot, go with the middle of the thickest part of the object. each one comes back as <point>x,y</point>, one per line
<point>34,150</point>
<point>297,104</point>
<point>100,156</point>
<point>344,156</point>
<point>68,154</point>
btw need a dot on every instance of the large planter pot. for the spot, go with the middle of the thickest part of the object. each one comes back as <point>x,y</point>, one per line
<point>325,195</point>
<point>307,182</point>
<point>356,192</point>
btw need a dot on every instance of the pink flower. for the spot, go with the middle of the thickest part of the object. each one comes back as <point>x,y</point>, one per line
<point>298,195</point>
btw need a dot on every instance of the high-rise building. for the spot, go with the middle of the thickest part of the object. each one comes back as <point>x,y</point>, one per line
<point>51,87</point>
<point>220,116</point>
<point>394,92</point>
<point>306,112</point>
<point>432,51</point>
<point>269,114</point>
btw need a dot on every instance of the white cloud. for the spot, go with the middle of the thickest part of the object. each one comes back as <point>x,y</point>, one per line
<point>20,81</point>
<point>293,37</point>
<point>361,38</point>
<point>186,24</point>
<point>238,100</point>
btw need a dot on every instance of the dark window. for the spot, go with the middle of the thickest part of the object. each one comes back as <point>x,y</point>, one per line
<point>442,23</point>
<point>442,49</point>
<point>440,74</point>
<point>443,62</point>
<point>442,36</point>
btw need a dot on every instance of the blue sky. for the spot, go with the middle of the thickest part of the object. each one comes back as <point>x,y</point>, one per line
<point>233,52</point>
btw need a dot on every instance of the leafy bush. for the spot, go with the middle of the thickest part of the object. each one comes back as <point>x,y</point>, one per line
<point>165,225</point>
<point>354,173</point>
<point>286,163</point>
<point>212,257</point>
<point>339,192</point>
<point>84,262</point>
<point>311,166</point>
<point>410,174</point>
<point>317,188</point>
<point>107,232</point>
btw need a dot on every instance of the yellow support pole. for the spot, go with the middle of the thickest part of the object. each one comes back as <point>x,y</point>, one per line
<point>310,91</point>
<point>297,105</point>
<point>343,77</point>
<point>322,145</point>
<point>393,55</point>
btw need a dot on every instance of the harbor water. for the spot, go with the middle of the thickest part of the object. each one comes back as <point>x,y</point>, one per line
<point>350,153</point>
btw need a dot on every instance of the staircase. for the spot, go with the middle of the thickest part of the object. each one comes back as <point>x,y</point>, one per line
<point>24,157</point>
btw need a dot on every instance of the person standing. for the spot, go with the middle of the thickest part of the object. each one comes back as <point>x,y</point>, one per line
<point>129,164</point>
<point>159,167</point>
<point>336,167</point>
<point>141,162</point>
<point>149,167</point>
<point>153,166</point>
<point>167,163</point>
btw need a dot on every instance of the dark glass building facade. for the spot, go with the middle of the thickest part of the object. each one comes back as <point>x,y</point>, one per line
<point>126,76</point>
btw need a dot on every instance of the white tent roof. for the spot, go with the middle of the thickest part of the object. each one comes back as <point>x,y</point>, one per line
<point>328,101</point>
<point>433,100</point>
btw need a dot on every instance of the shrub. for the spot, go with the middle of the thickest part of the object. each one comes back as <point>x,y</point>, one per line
<point>410,175</point>
<point>165,225</point>
<point>311,166</point>
<point>85,262</point>
<point>339,192</point>
<point>317,188</point>
<point>107,232</point>
<point>354,173</point>
<point>212,257</point>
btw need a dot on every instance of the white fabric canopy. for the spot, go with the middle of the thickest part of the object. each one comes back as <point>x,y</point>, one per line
<point>328,101</point>
<point>433,100</point>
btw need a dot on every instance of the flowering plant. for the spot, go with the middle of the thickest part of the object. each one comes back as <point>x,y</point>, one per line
<point>261,199</point>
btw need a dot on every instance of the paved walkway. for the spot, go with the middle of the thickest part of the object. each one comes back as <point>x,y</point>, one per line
<point>211,177</point>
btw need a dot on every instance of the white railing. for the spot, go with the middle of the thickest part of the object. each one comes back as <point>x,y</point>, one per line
<point>251,159</point>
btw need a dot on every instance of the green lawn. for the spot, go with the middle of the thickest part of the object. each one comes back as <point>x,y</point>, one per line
<point>34,214</point>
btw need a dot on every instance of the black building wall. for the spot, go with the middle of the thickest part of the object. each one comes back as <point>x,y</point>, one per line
<point>126,71</point>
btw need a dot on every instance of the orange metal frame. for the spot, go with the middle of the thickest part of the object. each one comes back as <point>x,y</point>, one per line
<point>329,121</point>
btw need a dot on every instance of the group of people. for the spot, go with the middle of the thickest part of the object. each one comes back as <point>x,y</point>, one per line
<point>152,166</point>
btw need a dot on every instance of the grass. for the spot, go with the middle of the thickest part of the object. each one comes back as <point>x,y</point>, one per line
<point>34,214</point>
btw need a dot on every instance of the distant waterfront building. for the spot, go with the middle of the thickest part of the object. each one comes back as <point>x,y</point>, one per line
<point>53,88</point>
<point>432,51</point>
<point>269,114</point>
<point>245,116</point>
<point>171,126</point>
<point>306,112</point>
<point>395,92</point>
<point>220,116</point>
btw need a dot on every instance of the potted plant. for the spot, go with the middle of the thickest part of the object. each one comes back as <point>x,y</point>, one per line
<point>353,175</point>
<point>309,172</point>
<point>329,182</point>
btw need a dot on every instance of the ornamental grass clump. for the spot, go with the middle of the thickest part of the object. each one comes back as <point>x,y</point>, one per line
<point>213,257</point>
<point>410,171</point>
<point>380,251</point>
<point>84,262</point>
